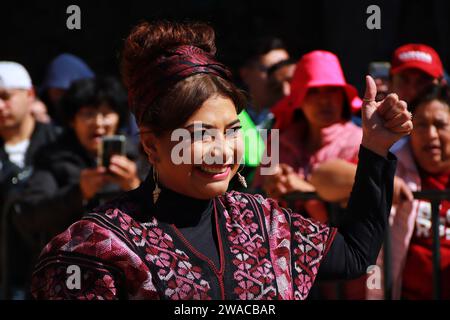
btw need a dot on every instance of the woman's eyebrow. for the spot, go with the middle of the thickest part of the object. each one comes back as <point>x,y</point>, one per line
<point>233,123</point>
<point>199,125</point>
<point>209,126</point>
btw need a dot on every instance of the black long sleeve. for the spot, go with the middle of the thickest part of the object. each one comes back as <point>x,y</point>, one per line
<point>359,240</point>
<point>48,207</point>
<point>51,199</point>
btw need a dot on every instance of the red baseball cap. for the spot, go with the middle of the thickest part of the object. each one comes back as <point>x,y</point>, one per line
<point>417,56</point>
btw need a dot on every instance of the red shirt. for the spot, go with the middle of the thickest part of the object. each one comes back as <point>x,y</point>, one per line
<point>418,272</point>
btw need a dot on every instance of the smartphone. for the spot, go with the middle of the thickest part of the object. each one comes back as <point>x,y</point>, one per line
<point>111,145</point>
<point>379,69</point>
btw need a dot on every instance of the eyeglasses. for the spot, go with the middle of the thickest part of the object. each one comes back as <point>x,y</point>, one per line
<point>92,116</point>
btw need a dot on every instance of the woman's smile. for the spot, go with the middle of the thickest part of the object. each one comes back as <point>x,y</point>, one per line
<point>214,172</point>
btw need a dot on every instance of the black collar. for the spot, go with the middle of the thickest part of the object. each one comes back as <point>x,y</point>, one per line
<point>172,207</point>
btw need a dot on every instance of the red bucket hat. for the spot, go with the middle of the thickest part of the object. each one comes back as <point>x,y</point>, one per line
<point>315,69</point>
<point>417,56</point>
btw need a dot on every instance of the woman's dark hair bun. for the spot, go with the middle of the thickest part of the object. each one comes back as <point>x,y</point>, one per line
<point>148,40</point>
<point>174,102</point>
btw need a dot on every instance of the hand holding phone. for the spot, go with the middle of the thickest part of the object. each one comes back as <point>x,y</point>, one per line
<point>124,172</point>
<point>111,145</point>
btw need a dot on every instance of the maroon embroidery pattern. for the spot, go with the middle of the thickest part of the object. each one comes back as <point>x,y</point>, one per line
<point>268,253</point>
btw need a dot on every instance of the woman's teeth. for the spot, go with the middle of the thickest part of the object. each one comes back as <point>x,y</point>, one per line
<point>213,170</point>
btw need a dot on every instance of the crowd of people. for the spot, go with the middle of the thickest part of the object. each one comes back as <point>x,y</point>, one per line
<point>51,135</point>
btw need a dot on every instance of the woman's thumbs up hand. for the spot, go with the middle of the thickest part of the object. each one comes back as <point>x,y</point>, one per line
<point>384,122</point>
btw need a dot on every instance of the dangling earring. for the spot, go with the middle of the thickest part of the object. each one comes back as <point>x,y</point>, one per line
<point>241,178</point>
<point>157,189</point>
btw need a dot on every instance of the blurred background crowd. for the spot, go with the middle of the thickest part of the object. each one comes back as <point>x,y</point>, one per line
<point>302,65</point>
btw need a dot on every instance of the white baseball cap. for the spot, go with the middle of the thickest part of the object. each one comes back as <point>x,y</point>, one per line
<point>14,76</point>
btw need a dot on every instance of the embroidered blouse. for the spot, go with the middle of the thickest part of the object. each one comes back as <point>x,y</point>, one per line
<point>235,246</point>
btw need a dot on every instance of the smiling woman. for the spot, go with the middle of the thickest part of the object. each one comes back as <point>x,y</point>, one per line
<point>200,177</point>
<point>195,240</point>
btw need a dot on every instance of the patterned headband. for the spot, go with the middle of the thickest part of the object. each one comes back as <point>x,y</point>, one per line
<point>173,66</point>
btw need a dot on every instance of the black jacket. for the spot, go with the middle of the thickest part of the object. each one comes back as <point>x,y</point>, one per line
<point>13,249</point>
<point>52,198</point>
<point>51,201</point>
<point>42,135</point>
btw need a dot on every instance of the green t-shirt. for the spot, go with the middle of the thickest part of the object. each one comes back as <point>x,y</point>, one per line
<point>253,142</point>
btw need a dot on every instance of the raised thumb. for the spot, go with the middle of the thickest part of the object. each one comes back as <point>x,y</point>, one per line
<point>371,90</point>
